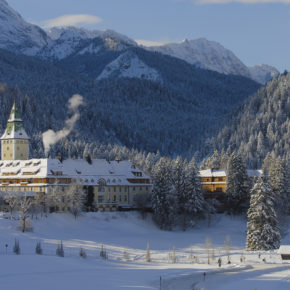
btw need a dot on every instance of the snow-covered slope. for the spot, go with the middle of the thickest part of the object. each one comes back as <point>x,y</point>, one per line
<point>263,73</point>
<point>129,65</point>
<point>17,35</point>
<point>72,40</point>
<point>124,237</point>
<point>205,54</point>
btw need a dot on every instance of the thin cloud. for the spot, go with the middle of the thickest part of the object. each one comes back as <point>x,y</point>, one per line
<point>71,20</point>
<point>149,42</point>
<point>241,1</point>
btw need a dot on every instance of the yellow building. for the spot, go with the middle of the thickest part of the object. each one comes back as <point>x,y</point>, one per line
<point>110,185</point>
<point>215,181</point>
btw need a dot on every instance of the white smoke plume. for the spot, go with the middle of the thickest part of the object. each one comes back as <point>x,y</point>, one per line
<point>50,137</point>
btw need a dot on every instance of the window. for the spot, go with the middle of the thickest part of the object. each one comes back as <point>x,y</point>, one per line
<point>102,184</point>
<point>114,188</point>
<point>7,148</point>
<point>114,198</point>
<point>134,188</point>
<point>100,199</point>
<point>120,189</point>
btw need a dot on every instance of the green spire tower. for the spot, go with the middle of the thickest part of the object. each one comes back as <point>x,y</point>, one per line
<point>14,141</point>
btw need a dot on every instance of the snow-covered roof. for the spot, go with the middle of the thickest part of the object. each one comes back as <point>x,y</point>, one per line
<point>284,249</point>
<point>223,173</point>
<point>112,172</point>
<point>213,173</point>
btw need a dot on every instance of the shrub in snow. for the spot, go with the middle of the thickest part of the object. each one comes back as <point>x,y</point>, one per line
<point>59,250</point>
<point>16,248</point>
<point>103,253</point>
<point>83,253</point>
<point>228,247</point>
<point>172,256</point>
<point>208,246</point>
<point>38,249</point>
<point>148,254</point>
<point>126,255</point>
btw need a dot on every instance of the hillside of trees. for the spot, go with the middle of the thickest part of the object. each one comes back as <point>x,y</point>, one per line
<point>174,116</point>
<point>260,126</point>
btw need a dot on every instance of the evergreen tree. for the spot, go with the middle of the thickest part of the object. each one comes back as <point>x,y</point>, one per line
<point>237,185</point>
<point>277,180</point>
<point>263,232</point>
<point>163,201</point>
<point>178,184</point>
<point>195,205</point>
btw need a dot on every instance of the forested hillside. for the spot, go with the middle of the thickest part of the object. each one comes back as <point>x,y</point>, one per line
<point>260,126</point>
<point>173,116</point>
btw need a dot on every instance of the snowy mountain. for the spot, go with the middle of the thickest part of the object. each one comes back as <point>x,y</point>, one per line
<point>205,54</point>
<point>263,73</point>
<point>71,40</point>
<point>18,35</point>
<point>213,56</point>
<point>129,65</point>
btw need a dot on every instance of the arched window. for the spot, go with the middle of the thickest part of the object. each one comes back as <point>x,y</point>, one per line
<point>101,185</point>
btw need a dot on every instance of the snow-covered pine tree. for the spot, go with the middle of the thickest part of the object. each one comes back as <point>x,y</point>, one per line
<point>163,201</point>
<point>195,205</point>
<point>263,231</point>
<point>178,184</point>
<point>277,180</point>
<point>237,192</point>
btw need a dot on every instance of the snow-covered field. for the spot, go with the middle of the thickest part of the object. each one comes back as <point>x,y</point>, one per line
<point>125,237</point>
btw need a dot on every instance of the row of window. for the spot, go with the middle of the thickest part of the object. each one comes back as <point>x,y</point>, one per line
<point>102,188</point>
<point>102,199</point>
<point>16,141</point>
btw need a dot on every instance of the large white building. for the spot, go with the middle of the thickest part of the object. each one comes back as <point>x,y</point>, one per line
<point>110,184</point>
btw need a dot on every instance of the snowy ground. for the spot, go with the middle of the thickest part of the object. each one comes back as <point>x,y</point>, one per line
<point>127,232</point>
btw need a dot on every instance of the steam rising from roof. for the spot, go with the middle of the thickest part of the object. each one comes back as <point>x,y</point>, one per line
<point>50,137</point>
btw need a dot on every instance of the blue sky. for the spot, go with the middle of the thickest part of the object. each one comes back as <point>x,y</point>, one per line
<point>257,31</point>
